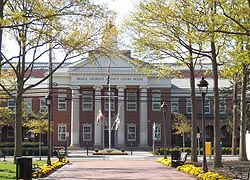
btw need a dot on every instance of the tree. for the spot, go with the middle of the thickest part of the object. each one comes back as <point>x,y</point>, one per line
<point>181,126</point>
<point>68,27</point>
<point>236,62</point>
<point>161,32</point>
<point>240,33</point>
<point>38,125</point>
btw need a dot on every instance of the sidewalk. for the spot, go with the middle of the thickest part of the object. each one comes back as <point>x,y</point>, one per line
<point>140,166</point>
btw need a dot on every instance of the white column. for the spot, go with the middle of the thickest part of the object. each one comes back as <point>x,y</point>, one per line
<point>75,116</point>
<point>98,128</point>
<point>121,130</point>
<point>143,117</point>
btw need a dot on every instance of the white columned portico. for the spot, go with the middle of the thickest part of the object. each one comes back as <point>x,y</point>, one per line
<point>98,128</point>
<point>143,117</point>
<point>75,116</point>
<point>121,110</point>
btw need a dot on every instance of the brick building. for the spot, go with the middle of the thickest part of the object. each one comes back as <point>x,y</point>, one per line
<point>81,91</point>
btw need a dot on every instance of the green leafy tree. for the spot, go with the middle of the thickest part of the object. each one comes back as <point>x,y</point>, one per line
<point>162,31</point>
<point>69,28</point>
<point>38,125</point>
<point>236,62</point>
<point>181,126</point>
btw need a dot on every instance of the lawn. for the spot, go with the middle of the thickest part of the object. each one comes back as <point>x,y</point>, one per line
<point>8,169</point>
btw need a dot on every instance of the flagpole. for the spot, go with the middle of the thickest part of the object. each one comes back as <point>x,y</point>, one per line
<point>103,140</point>
<point>109,109</point>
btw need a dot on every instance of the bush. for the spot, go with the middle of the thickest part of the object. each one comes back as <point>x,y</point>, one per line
<point>160,151</point>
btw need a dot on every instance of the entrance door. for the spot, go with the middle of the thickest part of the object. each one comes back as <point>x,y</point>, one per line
<point>106,138</point>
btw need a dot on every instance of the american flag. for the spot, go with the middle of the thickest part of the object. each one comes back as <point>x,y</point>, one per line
<point>99,117</point>
<point>117,122</point>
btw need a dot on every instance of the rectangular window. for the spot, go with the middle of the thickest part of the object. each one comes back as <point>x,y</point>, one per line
<point>87,132</point>
<point>131,133</point>
<point>87,99</point>
<point>156,100</point>
<point>174,107</point>
<point>11,104</point>
<point>222,107</point>
<point>112,101</point>
<point>28,105</point>
<point>131,101</point>
<point>62,129</point>
<point>10,132</point>
<point>62,102</point>
<point>157,132</point>
<point>207,107</point>
<point>43,106</point>
<point>188,107</point>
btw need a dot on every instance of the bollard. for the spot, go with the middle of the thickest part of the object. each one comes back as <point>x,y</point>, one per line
<point>87,149</point>
<point>131,148</point>
<point>65,150</point>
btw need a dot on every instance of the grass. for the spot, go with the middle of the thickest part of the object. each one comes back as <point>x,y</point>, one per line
<point>8,169</point>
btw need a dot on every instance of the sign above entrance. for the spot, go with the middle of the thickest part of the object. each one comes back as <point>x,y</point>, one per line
<point>80,80</point>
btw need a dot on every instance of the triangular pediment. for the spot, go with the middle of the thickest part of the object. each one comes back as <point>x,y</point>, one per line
<point>98,64</point>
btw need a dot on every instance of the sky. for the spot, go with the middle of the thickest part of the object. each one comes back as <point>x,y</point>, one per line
<point>121,7</point>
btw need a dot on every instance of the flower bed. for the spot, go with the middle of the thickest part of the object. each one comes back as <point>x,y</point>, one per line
<point>109,152</point>
<point>45,170</point>
<point>193,170</point>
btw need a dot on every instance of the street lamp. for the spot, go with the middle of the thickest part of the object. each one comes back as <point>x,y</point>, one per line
<point>48,100</point>
<point>203,86</point>
<point>164,109</point>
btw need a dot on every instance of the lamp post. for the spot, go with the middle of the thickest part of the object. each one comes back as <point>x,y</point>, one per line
<point>48,100</point>
<point>203,86</point>
<point>164,109</point>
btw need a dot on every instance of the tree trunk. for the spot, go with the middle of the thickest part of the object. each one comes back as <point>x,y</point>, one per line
<point>217,147</point>
<point>1,32</point>
<point>235,115</point>
<point>194,117</point>
<point>242,154</point>
<point>18,127</point>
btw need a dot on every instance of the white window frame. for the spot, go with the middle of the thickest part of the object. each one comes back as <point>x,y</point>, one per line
<point>28,104</point>
<point>174,107</point>
<point>222,106</point>
<point>157,132</point>
<point>188,106</point>
<point>131,101</point>
<point>62,102</point>
<point>87,100</point>
<point>62,131</point>
<point>207,106</point>
<point>43,106</point>
<point>112,101</point>
<point>11,104</point>
<point>156,100</point>
<point>131,132</point>
<point>87,135</point>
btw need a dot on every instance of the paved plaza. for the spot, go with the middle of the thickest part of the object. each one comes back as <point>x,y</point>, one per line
<point>139,166</point>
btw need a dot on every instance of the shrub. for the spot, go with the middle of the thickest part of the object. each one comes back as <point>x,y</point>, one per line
<point>45,170</point>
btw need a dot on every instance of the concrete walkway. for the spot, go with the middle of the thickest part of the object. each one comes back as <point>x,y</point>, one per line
<point>139,166</point>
